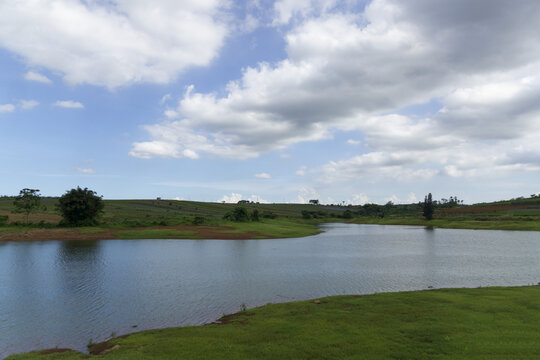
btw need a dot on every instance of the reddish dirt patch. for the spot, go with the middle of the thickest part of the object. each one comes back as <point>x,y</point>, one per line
<point>228,319</point>
<point>200,232</point>
<point>101,348</point>
<point>34,218</point>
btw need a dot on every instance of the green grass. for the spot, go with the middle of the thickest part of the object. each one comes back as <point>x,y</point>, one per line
<point>127,217</point>
<point>276,228</point>
<point>485,323</point>
<point>458,223</point>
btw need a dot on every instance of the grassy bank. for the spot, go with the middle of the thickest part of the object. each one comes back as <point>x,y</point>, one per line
<point>458,223</point>
<point>135,219</point>
<point>484,323</point>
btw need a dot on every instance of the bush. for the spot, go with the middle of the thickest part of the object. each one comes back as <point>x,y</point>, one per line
<point>3,219</point>
<point>268,215</point>
<point>347,214</point>
<point>238,214</point>
<point>255,215</point>
<point>80,207</point>
<point>198,220</point>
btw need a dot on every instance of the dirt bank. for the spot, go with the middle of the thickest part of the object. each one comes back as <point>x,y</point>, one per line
<point>184,231</point>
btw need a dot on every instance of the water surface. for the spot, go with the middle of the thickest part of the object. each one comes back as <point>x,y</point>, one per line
<point>66,293</point>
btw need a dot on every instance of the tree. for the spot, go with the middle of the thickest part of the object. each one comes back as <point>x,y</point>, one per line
<point>238,214</point>
<point>28,201</point>
<point>255,215</point>
<point>428,207</point>
<point>80,207</point>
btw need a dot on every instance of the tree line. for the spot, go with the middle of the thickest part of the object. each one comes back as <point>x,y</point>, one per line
<point>78,207</point>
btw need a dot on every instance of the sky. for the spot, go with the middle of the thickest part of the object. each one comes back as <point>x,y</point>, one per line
<point>348,101</point>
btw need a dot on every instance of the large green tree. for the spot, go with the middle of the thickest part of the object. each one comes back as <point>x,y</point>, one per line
<point>80,207</point>
<point>28,201</point>
<point>428,207</point>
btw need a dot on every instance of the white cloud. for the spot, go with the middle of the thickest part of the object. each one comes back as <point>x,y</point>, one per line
<point>353,142</point>
<point>302,171</point>
<point>7,108</point>
<point>34,76</point>
<point>412,199</point>
<point>234,198</point>
<point>85,170</point>
<point>113,43</point>
<point>69,104</point>
<point>177,198</point>
<point>285,10</point>
<point>165,98</point>
<point>263,176</point>
<point>305,194</point>
<point>28,104</point>
<point>357,71</point>
<point>358,199</point>
<point>394,199</point>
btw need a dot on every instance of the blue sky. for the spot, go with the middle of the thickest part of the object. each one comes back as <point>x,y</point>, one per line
<point>278,101</point>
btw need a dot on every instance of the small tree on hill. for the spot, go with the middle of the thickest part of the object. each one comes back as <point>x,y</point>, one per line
<point>428,207</point>
<point>80,207</point>
<point>239,213</point>
<point>28,201</point>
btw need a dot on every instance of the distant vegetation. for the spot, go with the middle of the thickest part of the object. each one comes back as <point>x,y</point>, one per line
<point>259,220</point>
<point>80,207</point>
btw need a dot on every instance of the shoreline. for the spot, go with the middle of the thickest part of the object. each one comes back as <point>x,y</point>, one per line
<point>230,232</point>
<point>195,232</point>
<point>415,323</point>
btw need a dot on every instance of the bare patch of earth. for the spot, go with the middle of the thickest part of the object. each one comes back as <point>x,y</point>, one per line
<point>199,232</point>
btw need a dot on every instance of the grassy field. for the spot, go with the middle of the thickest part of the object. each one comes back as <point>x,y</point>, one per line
<point>134,219</point>
<point>484,323</point>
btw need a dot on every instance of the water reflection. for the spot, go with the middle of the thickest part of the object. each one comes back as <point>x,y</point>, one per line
<point>65,293</point>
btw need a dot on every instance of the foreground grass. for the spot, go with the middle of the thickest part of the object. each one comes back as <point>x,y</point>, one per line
<point>485,323</point>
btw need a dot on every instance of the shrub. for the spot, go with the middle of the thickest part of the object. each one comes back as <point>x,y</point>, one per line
<point>268,215</point>
<point>238,214</point>
<point>80,207</point>
<point>198,220</point>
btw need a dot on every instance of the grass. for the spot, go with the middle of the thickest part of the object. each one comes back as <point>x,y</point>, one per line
<point>484,323</point>
<point>458,223</point>
<point>136,219</point>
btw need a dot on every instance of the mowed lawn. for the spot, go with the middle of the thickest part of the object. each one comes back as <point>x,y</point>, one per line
<point>483,323</point>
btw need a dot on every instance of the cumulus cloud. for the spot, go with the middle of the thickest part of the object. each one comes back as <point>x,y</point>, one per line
<point>353,142</point>
<point>412,199</point>
<point>113,43</point>
<point>34,76</point>
<point>263,176</point>
<point>285,10</point>
<point>394,199</point>
<point>305,194</point>
<point>234,198</point>
<point>28,104</point>
<point>69,104</point>
<point>356,71</point>
<point>358,199</point>
<point>7,108</point>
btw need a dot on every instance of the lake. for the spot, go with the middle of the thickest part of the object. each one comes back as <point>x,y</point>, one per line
<point>65,293</point>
